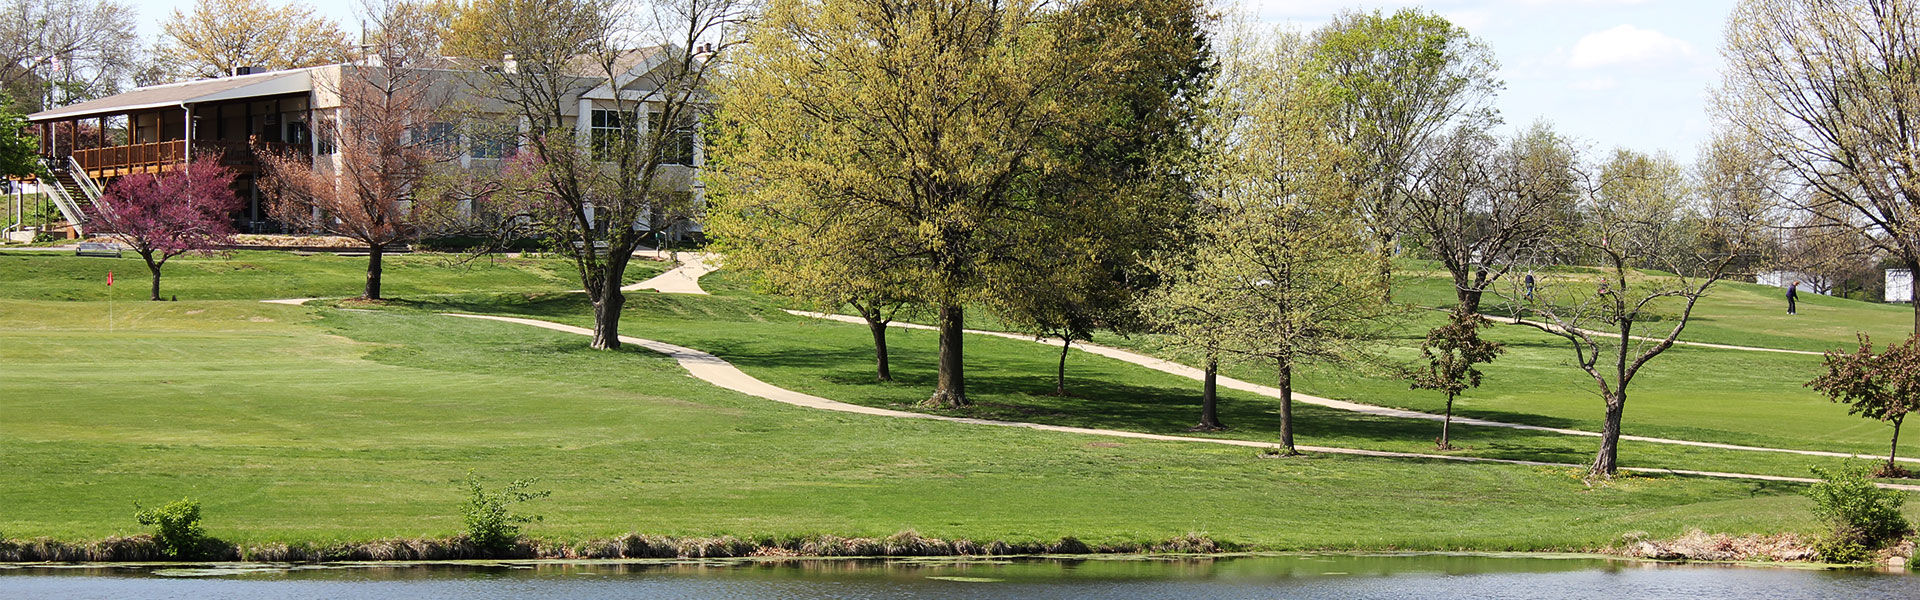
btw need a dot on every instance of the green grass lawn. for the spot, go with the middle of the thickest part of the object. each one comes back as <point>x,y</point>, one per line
<point>322,423</point>
<point>1737,313</point>
<point>252,275</point>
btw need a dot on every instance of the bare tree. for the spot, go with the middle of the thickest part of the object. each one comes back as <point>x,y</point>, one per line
<point>383,140</point>
<point>1481,204</point>
<point>606,188</point>
<point>62,51</point>
<point>1829,91</point>
<point>1641,213</point>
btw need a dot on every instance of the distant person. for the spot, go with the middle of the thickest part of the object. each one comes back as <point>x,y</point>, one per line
<point>1529,286</point>
<point>1793,293</point>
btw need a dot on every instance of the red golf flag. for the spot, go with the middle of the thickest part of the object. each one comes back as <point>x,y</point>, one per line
<point>109,278</point>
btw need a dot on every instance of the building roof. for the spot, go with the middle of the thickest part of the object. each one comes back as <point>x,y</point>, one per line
<point>177,94</point>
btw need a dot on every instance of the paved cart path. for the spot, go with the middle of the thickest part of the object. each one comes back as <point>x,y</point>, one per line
<point>712,369</point>
<point>683,278</point>
<point>1167,366</point>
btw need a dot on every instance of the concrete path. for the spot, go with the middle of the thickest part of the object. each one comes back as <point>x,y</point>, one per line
<point>1167,366</point>
<point>712,369</point>
<point>290,301</point>
<point>683,278</point>
<point>1500,319</point>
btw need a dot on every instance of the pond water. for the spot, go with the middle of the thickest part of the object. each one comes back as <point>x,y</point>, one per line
<point>1304,576</point>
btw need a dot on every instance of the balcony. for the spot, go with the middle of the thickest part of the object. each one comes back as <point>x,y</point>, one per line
<point>156,157</point>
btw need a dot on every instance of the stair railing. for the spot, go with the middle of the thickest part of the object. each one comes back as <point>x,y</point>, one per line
<point>86,182</point>
<point>61,200</point>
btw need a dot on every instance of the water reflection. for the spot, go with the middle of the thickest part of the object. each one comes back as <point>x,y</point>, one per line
<point>1305,576</point>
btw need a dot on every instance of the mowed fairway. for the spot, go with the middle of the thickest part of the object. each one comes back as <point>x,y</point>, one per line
<point>318,423</point>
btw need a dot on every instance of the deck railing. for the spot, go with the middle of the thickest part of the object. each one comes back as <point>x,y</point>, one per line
<point>151,156</point>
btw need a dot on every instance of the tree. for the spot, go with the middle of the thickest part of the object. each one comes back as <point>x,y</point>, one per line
<point>1120,186</point>
<point>1882,387</point>
<point>1452,353</point>
<point>826,260</point>
<point>383,144</point>
<point>1395,82</point>
<point>1277,270</point>
<point>219,37</point>
<point>163,216</point>
<point>1642,214</point>
<point>1482,205</point>
<point>1829,92</point>
<point>19,149</point>
<point>600,195</point>
<point>63,51</point>
<point>937,121</point>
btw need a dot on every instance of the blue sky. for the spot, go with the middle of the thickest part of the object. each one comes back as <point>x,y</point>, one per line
<point>1612,73</point>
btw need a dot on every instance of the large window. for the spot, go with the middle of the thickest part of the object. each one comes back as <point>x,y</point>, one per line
<point>491,143</point>
<point>679,141</point>
<point>609,129</point>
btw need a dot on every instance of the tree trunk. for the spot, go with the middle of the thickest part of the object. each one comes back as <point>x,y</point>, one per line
<point>1060,375</point>
<point>1209,399</point>
<point>1913,290</point>
<point>1286,409</point>
<point>1469,299</point>
<point>154,268</point>
<point>1607,462</point>
<point>879,329</point>
<point>1894,453</point>
<point>1446,443</point>
<point>373,271</point>
<point>606,316</point>
<point>951,390</point>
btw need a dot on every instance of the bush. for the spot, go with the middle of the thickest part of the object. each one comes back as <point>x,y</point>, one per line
<point>176,527</point>
<point>490,525</point>
<point>1861,516</point>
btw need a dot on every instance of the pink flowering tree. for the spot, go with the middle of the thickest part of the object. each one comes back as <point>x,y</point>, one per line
<point>163,216</point>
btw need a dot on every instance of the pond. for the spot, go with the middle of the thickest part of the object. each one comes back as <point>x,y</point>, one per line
<point>1291,576</point>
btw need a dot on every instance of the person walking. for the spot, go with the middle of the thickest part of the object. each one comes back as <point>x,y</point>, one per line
<point>1529,286</point>
<point>1793,293</point>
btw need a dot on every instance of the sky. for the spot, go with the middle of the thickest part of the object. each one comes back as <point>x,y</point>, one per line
<point>1611,73</point>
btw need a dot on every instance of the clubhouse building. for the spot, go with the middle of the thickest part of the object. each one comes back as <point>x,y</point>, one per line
<point>156,129</point>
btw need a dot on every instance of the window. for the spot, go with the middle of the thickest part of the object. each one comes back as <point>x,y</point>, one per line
<point>607,130</point>
<point>437,137</point>
<point>679,141</point>
<point>493,144</point>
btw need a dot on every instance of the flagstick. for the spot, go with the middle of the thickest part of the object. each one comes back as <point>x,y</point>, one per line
<point>109,301</point>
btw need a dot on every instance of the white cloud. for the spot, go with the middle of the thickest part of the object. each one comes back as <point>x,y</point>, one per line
<point>1626,44</point>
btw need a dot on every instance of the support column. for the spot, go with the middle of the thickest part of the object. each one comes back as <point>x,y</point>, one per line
<point>583,123</point>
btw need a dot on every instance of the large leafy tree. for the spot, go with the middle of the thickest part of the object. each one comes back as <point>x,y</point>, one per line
<point>1829,93</point>
<point>1277,268</point>
<point>218,37</point>
<point>1395,82</point>
<point>933,126</point>
<point>163,216</point>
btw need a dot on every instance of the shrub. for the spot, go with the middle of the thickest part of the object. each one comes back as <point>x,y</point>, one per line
<point>176,527</point>
<point>1861,516</point>
<point>490,525</point>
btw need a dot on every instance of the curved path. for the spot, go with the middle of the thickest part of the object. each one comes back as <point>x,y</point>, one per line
<point>683,278</point>
<point>1167,366</point>
<point>714,370</point>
